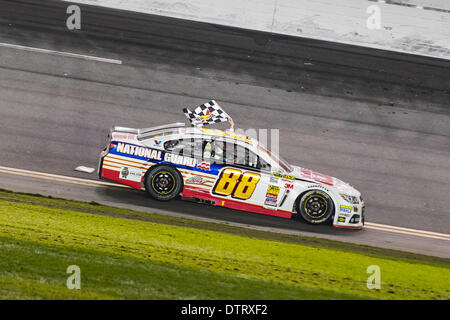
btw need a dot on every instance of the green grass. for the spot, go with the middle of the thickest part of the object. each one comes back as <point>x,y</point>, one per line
<point>125,254</point>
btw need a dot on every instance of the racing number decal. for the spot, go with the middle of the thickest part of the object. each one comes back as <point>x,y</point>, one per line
<point>246,186</point>
<point>233,182</point>
<point>227,182</point>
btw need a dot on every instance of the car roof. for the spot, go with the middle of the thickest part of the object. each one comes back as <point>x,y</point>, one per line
<point>177,129</point>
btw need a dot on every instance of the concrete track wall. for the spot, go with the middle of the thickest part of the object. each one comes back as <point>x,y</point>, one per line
<point>417,27</point>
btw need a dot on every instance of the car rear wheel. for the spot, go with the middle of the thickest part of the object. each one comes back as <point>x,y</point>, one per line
<point>316,207</point>
<point>163,183</point>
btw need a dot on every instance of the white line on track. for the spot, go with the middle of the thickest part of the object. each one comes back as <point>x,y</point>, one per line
<point>94,183</point>
<point>412,232</point>
<point>60,53</point>
<point>56,177</point>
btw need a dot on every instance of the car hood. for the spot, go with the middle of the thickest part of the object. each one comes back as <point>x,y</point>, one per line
<point>316,177</point>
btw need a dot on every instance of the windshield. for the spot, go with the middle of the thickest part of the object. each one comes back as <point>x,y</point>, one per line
<point>276,158</point>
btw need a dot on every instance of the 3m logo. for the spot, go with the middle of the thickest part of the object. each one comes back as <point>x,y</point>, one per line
<point>205,165</point>
<point>289,186</point>
<point>237,184</point>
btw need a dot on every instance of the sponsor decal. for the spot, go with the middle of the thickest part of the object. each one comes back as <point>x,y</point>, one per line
<point>157,142</point>
<point>323,194</point>
<point>345,209</point>
<point>155,154</point>
<point>316,176</point>
<point>341,219</point>
<point>272,195</point>
<point>230,134</point>
<point>177,159</point>
<point>124,172</point>
<point>138,151</point>
<point>270,202</point>
<point>283,176</point>
<point>275,190</point>
<point>116,135</point>
<point>205,165</point>
<point>131,174</point>
<point>317,186</point>
<point>205,117</point>
<point>196,180</point>
<point>289,186</point>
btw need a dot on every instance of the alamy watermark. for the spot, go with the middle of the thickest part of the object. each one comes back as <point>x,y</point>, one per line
<point>373,22</point>
<point>73,21</point>
<point>228,147</point>
<point>374,280</point>
<point>74,280</point>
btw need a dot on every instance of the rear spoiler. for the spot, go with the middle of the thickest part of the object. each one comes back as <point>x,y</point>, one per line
<point>148,132</point>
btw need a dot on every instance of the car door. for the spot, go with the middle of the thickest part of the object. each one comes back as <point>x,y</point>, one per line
<point>242,176</point>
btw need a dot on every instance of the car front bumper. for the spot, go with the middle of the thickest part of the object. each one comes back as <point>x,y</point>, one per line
<point>350,216</point>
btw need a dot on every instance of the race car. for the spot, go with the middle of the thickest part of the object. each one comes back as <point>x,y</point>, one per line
<point>223,168</point>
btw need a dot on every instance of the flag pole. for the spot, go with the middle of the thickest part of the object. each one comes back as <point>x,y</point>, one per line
<point>231,122</point>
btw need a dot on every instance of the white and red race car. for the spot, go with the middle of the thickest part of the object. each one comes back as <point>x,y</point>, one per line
<point>225,169</point>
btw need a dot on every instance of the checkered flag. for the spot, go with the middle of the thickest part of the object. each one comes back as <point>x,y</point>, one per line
<point>206,113</point>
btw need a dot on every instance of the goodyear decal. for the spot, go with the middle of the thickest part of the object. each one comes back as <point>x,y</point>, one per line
<point>318,186</point>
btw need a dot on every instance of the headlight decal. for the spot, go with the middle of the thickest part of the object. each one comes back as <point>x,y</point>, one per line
<point>350,199</point>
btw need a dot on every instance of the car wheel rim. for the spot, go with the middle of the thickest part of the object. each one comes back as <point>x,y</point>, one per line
<point>316,206</point>
<point>163,182</point>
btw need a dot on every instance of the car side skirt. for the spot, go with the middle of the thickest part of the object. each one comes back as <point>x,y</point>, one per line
<point>199,193</point>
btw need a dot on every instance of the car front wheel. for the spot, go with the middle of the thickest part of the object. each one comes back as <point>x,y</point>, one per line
<point>316,207</point>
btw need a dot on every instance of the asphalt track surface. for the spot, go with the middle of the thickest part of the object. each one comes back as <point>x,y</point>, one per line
<point>378,120</point>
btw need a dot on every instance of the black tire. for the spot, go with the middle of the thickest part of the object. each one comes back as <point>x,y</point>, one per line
<point>163,183</point>
<point>316,207</point>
